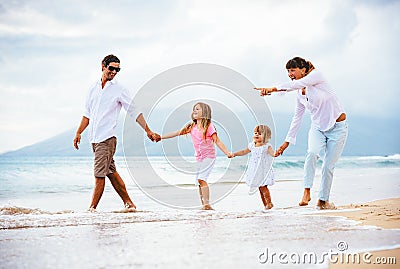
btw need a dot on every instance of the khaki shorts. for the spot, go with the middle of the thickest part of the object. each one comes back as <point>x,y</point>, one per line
<point>103,157</point>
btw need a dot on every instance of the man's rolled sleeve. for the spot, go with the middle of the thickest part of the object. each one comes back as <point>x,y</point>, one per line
<point>129,105</point>
<point>86,112</point>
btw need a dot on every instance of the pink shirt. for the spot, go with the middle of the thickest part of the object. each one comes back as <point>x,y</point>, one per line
<point>320,100</point>
<point>204,148</point>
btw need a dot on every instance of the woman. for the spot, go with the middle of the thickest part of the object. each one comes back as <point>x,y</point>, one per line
<point>328,129</point>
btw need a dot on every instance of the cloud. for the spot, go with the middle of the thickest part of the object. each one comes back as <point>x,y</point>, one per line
<point>51,51</point>
<point>364,74</point>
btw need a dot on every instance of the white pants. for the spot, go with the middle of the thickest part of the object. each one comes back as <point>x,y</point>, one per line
<point>332,142</point>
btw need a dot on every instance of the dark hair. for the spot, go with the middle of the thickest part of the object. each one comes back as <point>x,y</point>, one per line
<point>109,59</point>
<point>298,62</point>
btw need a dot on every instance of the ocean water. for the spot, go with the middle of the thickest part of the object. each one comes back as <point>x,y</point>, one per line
<point>44,221</point>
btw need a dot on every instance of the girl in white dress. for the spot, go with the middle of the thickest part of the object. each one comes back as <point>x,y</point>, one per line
<point>259,172</point>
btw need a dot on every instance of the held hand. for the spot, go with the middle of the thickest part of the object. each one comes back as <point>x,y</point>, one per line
<point>230,155</point>
<point>266,91</point>
<point>281,149</point>
<point>156,137</point>
<point>77,140</point>
<point>152,136</point>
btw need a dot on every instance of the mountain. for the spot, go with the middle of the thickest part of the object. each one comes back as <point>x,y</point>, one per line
<point>367,136</point>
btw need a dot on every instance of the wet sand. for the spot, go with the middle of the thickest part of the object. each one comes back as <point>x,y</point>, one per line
<point>237,234</point>
<point>382,213</point>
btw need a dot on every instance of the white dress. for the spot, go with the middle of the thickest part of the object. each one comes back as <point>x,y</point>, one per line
<point>259,172</point>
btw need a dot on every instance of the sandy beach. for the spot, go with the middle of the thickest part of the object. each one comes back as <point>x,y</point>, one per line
<point>382,213</point>
<point>44,222</point>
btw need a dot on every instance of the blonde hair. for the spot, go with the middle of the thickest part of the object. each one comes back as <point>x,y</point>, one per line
<point>204,121</point>
<point>265,132</point>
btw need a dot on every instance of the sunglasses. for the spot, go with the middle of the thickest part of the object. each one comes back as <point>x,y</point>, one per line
<point>112,68</point>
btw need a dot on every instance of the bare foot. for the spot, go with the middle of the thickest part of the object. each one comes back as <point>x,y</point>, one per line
<point>325,205</point>
<point>92,210</point>
<point>306,197</point>
<point>207,207</point>
<point>128,210</point>
<point>304,201</point>
<point>129,205</point>
<point>269,206</point>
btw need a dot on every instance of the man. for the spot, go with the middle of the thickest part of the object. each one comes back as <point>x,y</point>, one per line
<point>102,109</point>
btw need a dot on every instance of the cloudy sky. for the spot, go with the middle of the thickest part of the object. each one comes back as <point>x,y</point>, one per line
<point>50,52</point>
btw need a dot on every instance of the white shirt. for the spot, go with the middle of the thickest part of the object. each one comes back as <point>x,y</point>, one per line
<point>319,99</point>
<point>102,108</point>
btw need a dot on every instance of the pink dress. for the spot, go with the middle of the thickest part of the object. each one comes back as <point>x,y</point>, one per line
<point>204,151</point>
<point>204,148</point>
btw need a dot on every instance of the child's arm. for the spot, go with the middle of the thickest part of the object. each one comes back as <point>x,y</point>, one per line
<point>271,151</point>
<point>171,134</point>
<point>241,152</point>
<point>220,144</point>
<point>174,134</point>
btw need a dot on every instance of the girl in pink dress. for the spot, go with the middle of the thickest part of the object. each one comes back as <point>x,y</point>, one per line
<point>204,136</point>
